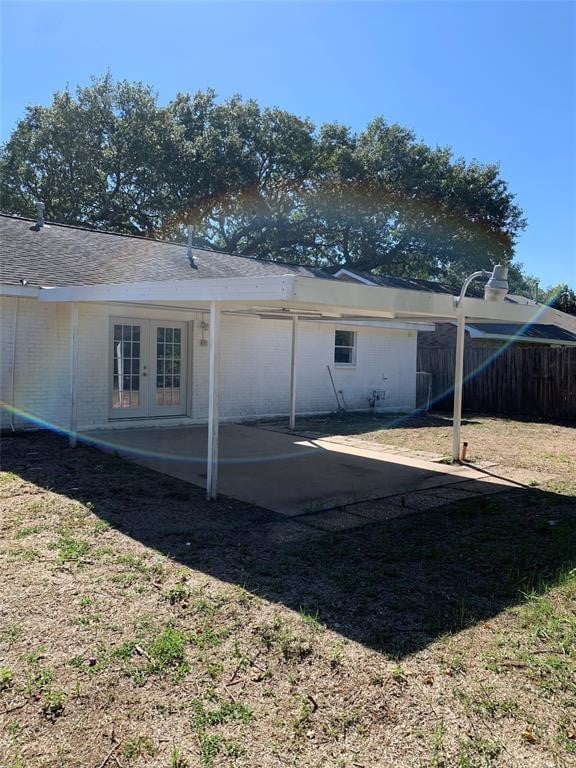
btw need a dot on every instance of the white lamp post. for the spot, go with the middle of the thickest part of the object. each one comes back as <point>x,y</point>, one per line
<point>495,290</point>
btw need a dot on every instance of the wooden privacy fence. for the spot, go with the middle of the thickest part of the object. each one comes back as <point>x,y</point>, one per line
<point>530,381</point>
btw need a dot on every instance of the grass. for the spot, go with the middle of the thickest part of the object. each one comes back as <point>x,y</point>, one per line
<point>69,548</point>
<point>184,635</point>
<point>6,678</point>
<point>139,747</point>
<point>178,758</point>
<point>205,719</point>
<point>537,453</point>
<point>168,651</point>
<point>53,704</point>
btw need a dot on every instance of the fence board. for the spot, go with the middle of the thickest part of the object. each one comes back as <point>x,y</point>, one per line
<point>521,381</point>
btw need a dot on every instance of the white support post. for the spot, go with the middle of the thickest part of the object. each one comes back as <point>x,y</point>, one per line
<point>73,374</point>
<point>213,401</point>
<point>458,385</point>
<point>293,373</point>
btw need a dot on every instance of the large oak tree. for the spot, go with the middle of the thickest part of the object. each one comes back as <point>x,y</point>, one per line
<point>258,181</point>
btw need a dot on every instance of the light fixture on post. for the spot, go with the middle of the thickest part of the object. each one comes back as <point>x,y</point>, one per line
<point>495,290</point>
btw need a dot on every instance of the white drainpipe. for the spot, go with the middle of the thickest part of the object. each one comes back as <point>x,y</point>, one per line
<point>73,374</point>
<point>13,372</point>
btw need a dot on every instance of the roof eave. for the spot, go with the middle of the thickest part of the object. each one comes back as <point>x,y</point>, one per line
<point>209,289</point>
<point>24,291</point>
<point>515,338</point>
<point>296,291</point>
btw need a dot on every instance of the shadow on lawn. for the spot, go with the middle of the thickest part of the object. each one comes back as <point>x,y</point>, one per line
<point>394,586</point>
<point>352,423</point>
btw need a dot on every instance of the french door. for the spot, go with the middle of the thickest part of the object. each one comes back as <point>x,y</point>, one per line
<point>148,368</point>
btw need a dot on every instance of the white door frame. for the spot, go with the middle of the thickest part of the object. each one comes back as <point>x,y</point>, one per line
<point>147,370</point>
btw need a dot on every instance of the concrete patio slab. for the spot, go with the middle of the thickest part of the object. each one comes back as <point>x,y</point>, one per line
<point>279,471</point>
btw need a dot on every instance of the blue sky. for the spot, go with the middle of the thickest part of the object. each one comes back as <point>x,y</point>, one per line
<point>493,80</point>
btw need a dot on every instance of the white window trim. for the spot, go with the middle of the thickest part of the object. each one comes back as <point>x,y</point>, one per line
<point>353,347</point>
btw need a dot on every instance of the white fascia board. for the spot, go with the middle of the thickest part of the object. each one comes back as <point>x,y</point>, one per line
<point>478,309</point>
<point>296,291</point>
<point>363,299</point>
<point>27,291</point>
<point>269,288</point>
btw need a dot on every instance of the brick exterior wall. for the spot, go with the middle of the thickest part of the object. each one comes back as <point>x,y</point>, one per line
<point>41,376</point>
<point>255,361</point>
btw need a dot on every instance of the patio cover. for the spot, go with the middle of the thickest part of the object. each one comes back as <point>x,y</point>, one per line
<point>289,296</point>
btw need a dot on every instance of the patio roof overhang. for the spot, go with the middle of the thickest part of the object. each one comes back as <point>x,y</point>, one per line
<point>288,295</point>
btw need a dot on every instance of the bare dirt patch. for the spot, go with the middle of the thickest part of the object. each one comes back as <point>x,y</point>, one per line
<point>141,626</point>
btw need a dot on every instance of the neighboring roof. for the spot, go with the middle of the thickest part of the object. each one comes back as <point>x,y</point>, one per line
<point>60,255</point>
<point>415,284</point>
<point>394,282</point>
<point>533,332</point>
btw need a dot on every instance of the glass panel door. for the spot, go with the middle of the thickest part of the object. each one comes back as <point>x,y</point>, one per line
<point>148,368</point>
<point>168,367</point>
<point>129,341</point>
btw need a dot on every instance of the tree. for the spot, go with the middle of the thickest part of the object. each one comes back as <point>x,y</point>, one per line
<point>258,181</point>
<point>259,163</point>
<point>392,204</point>
<point>560,297</point>
<point>97,159</point>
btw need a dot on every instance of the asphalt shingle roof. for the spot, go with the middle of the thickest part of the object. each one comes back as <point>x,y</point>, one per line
<point>59,255</point>
<point>410,284</point>
<point>417,284</point>
<point>538,331</point>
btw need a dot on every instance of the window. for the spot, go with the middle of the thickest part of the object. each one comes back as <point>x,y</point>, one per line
<point>345,348</point>
<point>168,365</point>
<point>126,386</point>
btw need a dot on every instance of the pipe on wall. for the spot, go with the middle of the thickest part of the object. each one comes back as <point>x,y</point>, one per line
<point>13,371</point>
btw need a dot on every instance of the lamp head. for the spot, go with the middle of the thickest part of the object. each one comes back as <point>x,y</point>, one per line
<point>497,286</point>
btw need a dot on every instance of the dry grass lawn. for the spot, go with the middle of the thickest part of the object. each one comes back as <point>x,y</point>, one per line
<point>141,626</point>
<point>535,452</point>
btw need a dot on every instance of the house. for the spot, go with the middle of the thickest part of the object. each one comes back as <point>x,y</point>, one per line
<point>100,331</point>
<point>146,360</point>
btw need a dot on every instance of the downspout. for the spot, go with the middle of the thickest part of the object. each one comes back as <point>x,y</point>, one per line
<point>13,372</point>
<point>73,374</point>
<point>213,401</point>
<point>292,421</point>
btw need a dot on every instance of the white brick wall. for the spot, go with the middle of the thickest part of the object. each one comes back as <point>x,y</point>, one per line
<point>256,367</point>
<point>42,362</point>
<point>255,362</point>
